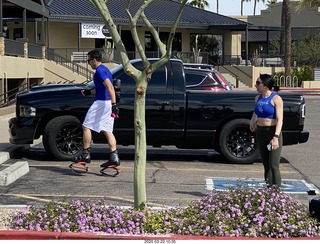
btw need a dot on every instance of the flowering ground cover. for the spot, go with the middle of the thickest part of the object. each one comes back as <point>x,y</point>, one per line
<point>241,211</point>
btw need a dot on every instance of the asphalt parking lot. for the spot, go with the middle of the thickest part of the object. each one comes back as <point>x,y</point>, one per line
<point>172,176</point>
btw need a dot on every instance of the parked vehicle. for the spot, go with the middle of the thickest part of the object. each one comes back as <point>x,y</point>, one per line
<point>199,66</point>
<point>205,79</point>
<point>199,79</point>
<point>174,116</point>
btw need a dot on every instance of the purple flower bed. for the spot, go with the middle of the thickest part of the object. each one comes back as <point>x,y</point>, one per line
<point>241,211</point>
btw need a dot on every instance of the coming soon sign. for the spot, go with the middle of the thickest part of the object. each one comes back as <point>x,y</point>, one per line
<point>91,30</point>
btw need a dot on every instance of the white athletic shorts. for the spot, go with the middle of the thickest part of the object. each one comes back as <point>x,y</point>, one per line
<point>98,117</point>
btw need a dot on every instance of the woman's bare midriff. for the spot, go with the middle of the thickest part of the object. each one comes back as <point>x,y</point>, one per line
<point>266,122</point>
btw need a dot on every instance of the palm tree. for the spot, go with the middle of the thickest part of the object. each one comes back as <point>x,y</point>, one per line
<point>241,10</point>
<point>285,39</point>
<point>308,4</point>
<point>217,6</point>
<point>272,1</point>
<point>255,5</point>
<point>202,4</point>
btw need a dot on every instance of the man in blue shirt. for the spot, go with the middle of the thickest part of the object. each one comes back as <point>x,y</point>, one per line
<point>101,114</point>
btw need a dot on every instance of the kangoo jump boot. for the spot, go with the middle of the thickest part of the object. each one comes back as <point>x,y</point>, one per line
<point>84,157</point>
<point>114,160</point>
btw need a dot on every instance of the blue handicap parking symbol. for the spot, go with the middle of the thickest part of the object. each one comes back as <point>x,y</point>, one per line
<point>288,185</point>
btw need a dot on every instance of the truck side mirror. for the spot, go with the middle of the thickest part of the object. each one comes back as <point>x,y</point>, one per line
<point>117,84</point>
<point>117,88</point>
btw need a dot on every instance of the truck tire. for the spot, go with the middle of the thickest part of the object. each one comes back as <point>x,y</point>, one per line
<point>62,137</point>
<point>237,143</point>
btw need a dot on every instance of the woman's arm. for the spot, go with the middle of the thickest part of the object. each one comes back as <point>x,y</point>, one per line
<point>278,104</point>
<point>253,121</point>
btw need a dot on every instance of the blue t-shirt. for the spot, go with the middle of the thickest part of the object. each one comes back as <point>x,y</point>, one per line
<point>102,73</point>
<point>264,109</point>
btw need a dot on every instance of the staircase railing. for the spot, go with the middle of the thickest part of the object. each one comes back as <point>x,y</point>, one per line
<point>73,66</point>
<point>9,97</point>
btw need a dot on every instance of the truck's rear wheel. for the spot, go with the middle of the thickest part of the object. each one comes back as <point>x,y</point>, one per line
<point>62,137</point>
<point>237,143</point>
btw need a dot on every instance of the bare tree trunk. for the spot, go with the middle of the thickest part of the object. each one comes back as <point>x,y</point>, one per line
<point>140,144</point>
<point>141,78</point>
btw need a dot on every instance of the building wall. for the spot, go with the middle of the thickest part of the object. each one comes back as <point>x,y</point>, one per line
<point>16,67</point>
<point>236,49</point>
<point>66,35</point>
<point>64,38</point>
<point>272,16</point>
<point>16,74</point>
<point>63,35</point>
<point>16,26</point>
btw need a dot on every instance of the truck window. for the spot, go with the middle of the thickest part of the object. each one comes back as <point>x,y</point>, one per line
<point>194,80</point>
<point>157,84</point>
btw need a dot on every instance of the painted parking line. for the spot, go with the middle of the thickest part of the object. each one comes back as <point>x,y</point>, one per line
<point>288,185</point>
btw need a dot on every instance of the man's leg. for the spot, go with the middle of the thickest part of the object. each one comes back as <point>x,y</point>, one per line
<point>85,156</point>
<point>114,158</point>
<point>87,137</point>
<point>111,140</point>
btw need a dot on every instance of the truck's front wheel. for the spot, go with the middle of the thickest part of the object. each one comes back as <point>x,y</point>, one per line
<point>62,137</point>
<point>237,143</point>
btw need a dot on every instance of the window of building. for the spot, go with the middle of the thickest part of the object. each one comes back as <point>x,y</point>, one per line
<point>212,44</point>
<point>150,44</point>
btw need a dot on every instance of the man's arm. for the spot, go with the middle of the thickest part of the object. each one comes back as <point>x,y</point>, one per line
<point>108,84</point>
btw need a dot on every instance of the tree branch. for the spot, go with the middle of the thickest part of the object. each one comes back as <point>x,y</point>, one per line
<point>105,14</point>
<point>164,58</point>
<point>155,34</point>
<point>133,24</point>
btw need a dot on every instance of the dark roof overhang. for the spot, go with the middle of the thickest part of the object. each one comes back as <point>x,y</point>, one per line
<point>32,6</point>
<point>192,17</point>
<point>247,26</point>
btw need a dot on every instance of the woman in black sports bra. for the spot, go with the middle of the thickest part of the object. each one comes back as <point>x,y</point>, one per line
<point>266,121</point>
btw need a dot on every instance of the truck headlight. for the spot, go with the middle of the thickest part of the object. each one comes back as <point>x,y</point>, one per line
<point>27,111</point>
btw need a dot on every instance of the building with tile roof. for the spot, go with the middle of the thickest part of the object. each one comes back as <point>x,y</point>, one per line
<point>58,23</point>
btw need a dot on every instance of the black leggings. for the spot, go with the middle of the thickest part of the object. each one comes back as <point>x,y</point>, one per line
<point>270,159</point>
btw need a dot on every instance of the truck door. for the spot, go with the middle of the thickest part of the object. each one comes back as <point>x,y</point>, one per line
<point>158,106</point>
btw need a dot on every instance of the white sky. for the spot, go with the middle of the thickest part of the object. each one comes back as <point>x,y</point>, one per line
<point>233,7</point>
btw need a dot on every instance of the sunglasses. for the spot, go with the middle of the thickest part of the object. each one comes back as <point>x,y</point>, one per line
<point>88,60</point>
<point>258,83</point>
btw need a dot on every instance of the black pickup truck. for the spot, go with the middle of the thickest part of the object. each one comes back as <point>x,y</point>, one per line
<point>174,116</point>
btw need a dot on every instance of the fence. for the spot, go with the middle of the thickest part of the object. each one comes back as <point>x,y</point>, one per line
<point>13,48</point>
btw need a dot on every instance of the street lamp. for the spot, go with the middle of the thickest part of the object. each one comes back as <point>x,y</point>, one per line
<point>5,28</point>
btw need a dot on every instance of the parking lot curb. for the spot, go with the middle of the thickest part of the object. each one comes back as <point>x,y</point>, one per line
<point>14,171</point>
<point>4,156</point>
<point>10,151</point>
